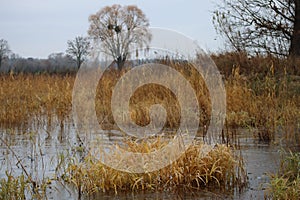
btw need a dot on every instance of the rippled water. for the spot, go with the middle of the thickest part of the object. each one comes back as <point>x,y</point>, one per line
<point>39,152</point>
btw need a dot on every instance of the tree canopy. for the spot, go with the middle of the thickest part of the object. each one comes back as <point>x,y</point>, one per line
<point>79,48</point>
<point>118,28</point>
<point>255,26</point>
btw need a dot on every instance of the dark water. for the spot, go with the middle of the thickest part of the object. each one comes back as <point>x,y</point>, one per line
<point>40,151</point>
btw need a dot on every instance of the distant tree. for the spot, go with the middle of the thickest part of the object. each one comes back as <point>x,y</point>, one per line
<point>60,62</point>
<point>4,50</point>
<point>118,28</point>
<point>79,49</point>
<point>268,26</point>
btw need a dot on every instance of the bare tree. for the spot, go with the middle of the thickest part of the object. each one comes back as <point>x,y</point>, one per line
<point>4,50</point>
<point>255,26</point>
<point>118,28</point>
<point>79,49</point>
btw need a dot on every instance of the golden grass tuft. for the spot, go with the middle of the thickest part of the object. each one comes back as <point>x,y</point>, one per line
<point>220,168</point>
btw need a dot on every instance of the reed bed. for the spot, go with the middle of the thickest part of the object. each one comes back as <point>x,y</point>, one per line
<point>151,94</point>
<point>269,104</point>
<point>25,98</point>
<point>263,97</point>
<point>220,168</point>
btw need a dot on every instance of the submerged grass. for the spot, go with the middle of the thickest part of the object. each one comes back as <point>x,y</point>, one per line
<point>13,188</point>
<point>23,186</point>
<point>220,168</point>
<point>286,183</point>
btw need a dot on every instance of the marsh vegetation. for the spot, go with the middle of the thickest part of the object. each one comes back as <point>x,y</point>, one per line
<point>262,98</point>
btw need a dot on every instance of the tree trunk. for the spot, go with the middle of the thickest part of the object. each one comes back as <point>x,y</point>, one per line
<point>295,40</point>
<point>78,62</point>
<point>120,62</point>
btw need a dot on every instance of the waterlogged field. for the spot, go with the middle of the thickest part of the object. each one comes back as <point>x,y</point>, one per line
<point>43,156</point>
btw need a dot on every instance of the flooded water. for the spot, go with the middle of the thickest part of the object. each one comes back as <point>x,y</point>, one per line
<point>39,153</point>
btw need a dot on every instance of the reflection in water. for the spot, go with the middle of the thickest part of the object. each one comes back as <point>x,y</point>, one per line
<point>39,148</point>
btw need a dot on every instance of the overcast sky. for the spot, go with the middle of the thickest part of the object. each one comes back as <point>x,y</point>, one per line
<point>37,28</point>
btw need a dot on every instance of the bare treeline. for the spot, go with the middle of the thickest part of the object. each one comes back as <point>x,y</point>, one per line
<point>55,63</point>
